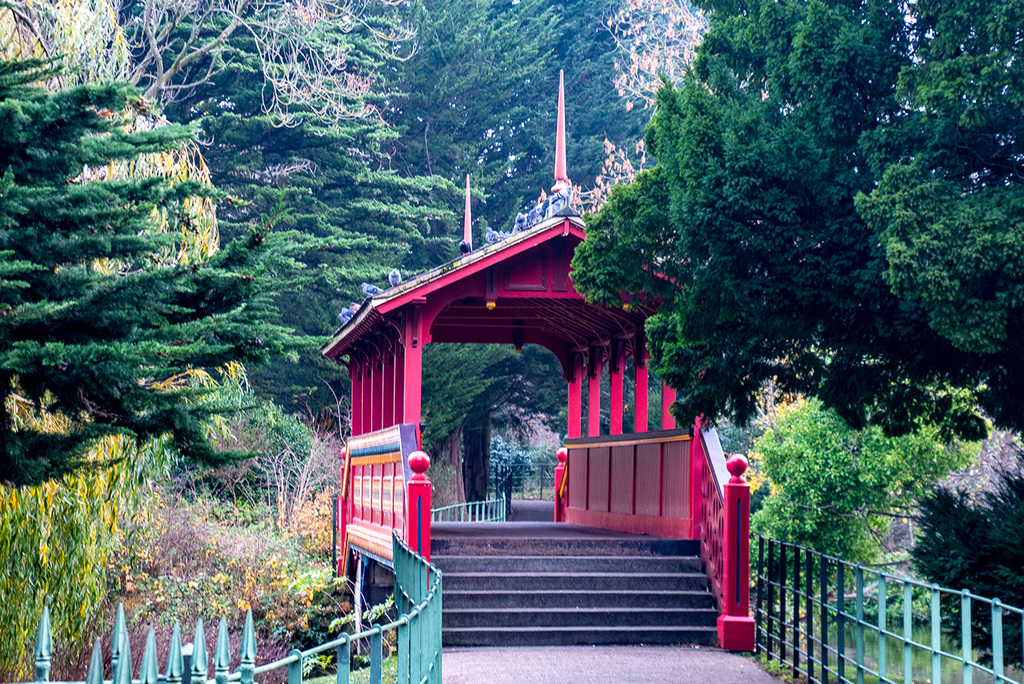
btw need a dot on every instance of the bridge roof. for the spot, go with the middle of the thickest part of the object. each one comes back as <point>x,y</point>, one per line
<point>518,290</point>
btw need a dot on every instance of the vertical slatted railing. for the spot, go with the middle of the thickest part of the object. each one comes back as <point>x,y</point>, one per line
<point>810,607</point>
<point>492,510</point>
<point>417,598</point>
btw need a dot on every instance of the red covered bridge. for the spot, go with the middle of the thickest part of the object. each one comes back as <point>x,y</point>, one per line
<point>671,483</point>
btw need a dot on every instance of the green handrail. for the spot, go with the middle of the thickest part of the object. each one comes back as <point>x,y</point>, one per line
<point>417,599</point>
<point>492,510</point>
<point>806,604</point>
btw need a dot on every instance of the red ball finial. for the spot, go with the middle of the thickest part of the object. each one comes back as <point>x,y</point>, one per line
<point>419,462</point>
<point>562,454</point>
<point>737,465</point>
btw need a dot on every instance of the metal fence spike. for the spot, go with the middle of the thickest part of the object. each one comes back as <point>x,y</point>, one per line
<point>175,662</point>
<point>95,674</point>
<point>222,653</point>
<point>44,647</point>
<point>117,637</point>
<point>247,651</point>
<point>148,672</point>
<point>199,657</point>
<point>123,671</point>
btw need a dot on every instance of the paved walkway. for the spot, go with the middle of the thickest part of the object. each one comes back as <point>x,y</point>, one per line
<point>600,665</point>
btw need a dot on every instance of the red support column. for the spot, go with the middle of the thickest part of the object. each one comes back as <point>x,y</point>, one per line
<point>668,396</point>
<point>697,475</point>
<point>367,405</point>
<point>575,429</point>
<point>379,374</point>
<point>399,397</point>
<point>355,373</point>
<point>615,375</point>
<point>388,406</point>
<point>561,498</point>
<point>641,389</point>
<point>344,504</point>
<point>417,506</point>
<point>594,391</point>
<point>735,626</point>
<point>412,368</point>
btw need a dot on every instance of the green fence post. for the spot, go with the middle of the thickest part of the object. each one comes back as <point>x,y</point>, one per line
<point>294,667</point>
<point>908,634</point>
<point>198,674</point>
<point>376,655</point>
<point>936,640</point>
<point>343,655</point>
<point>123,673</point>
<point>222,653</point>
<point>117,638</point>
<point>883,622</point>
<point>760,594</point>
<point>782,603</point>
<point>149,674</point>
<point>997,639</point>
<point>823,627</point>
<point>796,609</point>
<point>966,645</point>
<point>840,620</point>
<point>770,572</point>
<point>858,583</point>
<point>95,675</point>
<point>44,647</point>
<point>247,651</point>
<point>175,662</point>
<point>809,611</point>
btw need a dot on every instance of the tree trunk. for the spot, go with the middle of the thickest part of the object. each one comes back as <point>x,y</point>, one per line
<point>476,465</point>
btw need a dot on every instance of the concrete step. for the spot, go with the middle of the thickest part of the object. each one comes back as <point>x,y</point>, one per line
<point>530,546</point>
<point>606,581</point>
<point>571,598</point>
<point>579,617</point>
<point>578,636</point>
<point>570,564</point>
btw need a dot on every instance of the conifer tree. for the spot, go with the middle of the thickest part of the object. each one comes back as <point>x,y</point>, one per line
<point>91,331</point>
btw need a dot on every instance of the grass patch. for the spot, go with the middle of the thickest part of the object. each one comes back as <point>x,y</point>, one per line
<point>389,674</point>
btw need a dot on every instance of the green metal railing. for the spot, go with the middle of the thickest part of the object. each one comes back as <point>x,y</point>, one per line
<point>417,599</point>
<point>492,510</point>
<point>833,621</point>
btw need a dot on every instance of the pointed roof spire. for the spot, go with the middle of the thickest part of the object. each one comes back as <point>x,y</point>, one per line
<point>467,225</point>
<point>561,177</point>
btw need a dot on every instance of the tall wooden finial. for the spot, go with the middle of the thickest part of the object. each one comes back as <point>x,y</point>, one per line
<point>467,225</point>
<point>561,178</point>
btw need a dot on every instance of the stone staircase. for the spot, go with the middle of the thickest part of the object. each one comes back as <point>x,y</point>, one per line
<point>539,592</point>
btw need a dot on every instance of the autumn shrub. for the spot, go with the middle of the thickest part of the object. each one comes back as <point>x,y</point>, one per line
<point>312,522</point>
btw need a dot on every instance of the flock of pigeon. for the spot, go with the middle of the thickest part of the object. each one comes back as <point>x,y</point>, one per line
<point>548,207</point>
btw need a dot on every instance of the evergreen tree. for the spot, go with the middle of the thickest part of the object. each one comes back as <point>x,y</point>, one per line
<point>93,332</point>
<point>973,543</point>
<point>814,167</point>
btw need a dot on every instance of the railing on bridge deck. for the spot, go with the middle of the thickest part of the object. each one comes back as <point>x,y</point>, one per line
<point>383,489</point>
<point>417,599</point>
<point>829,621</point>
<point>672,483</point>
<point>492,510</point>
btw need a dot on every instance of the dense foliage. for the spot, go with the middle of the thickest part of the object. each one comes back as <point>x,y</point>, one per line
<point>836,207</point>
<point>94,329</point>
<point>974,543</point>
<point>836,489</point>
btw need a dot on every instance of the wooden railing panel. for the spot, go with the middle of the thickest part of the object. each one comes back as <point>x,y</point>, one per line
<point>622,470</point>
<point>675,480</point>
<point>598,479</point>
<point>578,479</point>
<point>648,482</point>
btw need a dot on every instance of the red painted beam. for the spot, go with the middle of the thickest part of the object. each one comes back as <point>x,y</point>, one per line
<point>594,391</point>
<point>616,367</point>
<point>576,397</point>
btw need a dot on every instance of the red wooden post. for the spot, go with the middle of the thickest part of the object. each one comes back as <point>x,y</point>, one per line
<point>640,385</point>
<point>668,396</point>
<point>413,368</point>
<point>576,397</point>
<point>562,455</point>
<point>594,392</point>
<point>343,504</point>
<point>615,375</point>
<point>735,626</point>
<point>355,372</point>
<point>389,389</point>
<point>366,405</point>
<point>697,475</point>
<point>417,506</point>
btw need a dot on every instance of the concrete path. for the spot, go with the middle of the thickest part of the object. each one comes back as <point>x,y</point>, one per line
<point>600,665</point>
